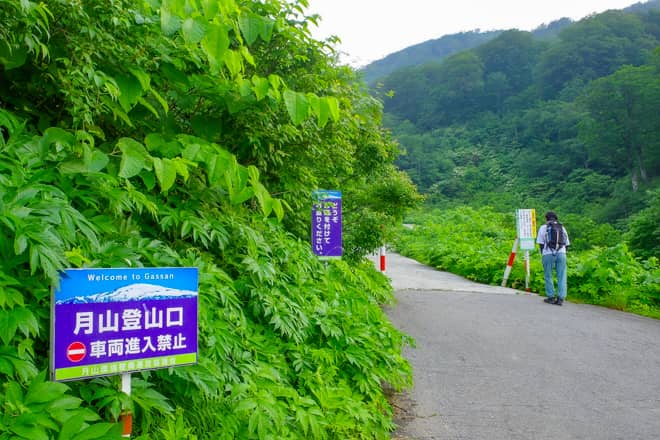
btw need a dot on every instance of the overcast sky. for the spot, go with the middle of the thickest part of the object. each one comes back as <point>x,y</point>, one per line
<point>372,29</point>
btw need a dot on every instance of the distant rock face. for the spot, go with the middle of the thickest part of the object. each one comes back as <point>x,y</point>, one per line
<point>133,292</point>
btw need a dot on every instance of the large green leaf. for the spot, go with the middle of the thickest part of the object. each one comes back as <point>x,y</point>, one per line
<point>215,44</point>
<point>218,164</point>
<point>165,172</point>
<point>44,391</point>
<point>211,8</point>
<point>234,62</point>
<point>72,426</point>
<point>169,22</point>
<point>72,167</point>
<point>57,136</point>
<point>296,105</point>
<point>320,108</point>
<point>26,321</point>
<point>96,161</point>
<point>134,158</point>
<point>130,91</point>
<point>193,29</point>
<point>278,209</point>
<point>12,58</point>
<point>93,162</point>
<point>181,165</point>
<point>236,182</point>
<point>8,326</point>
<point>267,29</point>
<point>143,77</point>
<point>333,106</point>
<point>252,26</point>
<point>174,75</point>
<point>260,86</point>
<point>27,429</point>
<point>99,430</point>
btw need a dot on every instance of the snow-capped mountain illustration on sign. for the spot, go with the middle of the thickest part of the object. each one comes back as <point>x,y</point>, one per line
<point>133,292</point>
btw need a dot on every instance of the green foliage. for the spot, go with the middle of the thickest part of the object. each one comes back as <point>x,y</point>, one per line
<point>469,242</point>
<point>476,244</point>
<point>175,133</point>
<point>622,117</point>
<point>595,47</point>
<point>367,204</point>
<point>38,408</point>
<point>568,123</point>
<point>643,237</point>
<point>612,277</point>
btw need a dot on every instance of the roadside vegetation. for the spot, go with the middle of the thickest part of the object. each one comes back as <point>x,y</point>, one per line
<point>476,244</point>
<point>176,133</point>
<point>564,121</point>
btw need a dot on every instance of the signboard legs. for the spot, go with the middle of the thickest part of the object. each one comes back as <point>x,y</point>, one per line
<point>126,416</point>
<point>509,264</point>
<point>527,271</point>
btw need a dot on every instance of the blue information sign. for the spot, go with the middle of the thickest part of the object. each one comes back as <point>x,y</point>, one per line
<point>326,224</point>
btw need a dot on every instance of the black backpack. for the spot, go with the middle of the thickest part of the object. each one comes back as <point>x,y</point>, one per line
<point>555,238</point>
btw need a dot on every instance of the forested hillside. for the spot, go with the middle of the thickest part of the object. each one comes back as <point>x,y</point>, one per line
<point>192,134</point>
<point>421,53</point>
<point>437,49</point>
<point>570,123</point>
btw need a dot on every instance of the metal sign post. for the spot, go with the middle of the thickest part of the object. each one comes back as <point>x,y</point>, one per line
<point>126,415</point>
<point>526,271</point>
<point>383,265</point>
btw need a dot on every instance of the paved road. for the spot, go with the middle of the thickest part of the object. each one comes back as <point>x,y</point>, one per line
<point>495,364</point>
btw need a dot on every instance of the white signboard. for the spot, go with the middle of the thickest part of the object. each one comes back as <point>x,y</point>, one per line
<point>526,228</point>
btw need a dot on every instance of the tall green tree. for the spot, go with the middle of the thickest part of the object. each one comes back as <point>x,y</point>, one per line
<point>509,62</point>
<point>623,129</point>
<point>594,47</point>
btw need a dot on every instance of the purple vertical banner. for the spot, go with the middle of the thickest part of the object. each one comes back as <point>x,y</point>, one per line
<point>115,321</point>
<point>326,224</point>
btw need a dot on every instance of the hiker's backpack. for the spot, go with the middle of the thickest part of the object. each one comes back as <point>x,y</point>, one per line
<point>555,238</point>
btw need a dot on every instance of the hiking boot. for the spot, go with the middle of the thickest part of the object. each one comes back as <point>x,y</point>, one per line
<point>550,300</point>
<point>559,301</point>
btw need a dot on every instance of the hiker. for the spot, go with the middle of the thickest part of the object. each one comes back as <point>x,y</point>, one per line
<point>553,241</point>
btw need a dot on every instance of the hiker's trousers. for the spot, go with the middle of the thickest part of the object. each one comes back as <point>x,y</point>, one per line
<point>556,262</point>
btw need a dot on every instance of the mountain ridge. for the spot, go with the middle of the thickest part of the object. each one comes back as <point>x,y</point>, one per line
<point>437,49</point>
<point>132,292</point>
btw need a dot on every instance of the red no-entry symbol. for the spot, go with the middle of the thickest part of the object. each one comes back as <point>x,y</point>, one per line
<point>76,351</point>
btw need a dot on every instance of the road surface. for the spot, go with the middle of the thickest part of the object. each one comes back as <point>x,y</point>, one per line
<point>493,363</point>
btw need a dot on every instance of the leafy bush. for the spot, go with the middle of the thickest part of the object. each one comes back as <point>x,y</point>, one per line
<point>643,237</point>
<point>466,241</point>
<point>612,277</point>
<point>192,134</point>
